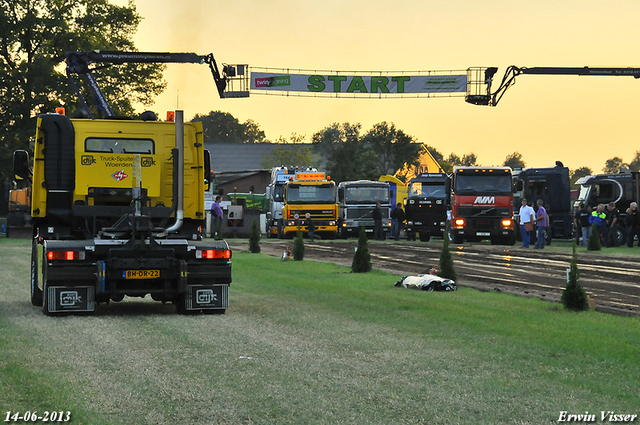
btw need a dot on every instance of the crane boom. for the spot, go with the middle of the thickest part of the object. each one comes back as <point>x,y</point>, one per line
<point>492,98</point>
<point>78,63</point>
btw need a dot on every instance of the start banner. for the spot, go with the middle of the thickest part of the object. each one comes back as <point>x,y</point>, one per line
<point>354,84</point>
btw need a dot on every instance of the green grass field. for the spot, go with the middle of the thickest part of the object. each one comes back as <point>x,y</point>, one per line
<point>311,343</point>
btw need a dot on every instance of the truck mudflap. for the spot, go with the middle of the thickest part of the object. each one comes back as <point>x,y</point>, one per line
<point>61,299</point>
<point>207,297</point>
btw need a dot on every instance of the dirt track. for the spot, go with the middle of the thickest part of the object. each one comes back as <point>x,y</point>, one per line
<point>612,281</point>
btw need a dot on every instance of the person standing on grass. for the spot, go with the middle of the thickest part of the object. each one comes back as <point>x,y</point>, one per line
<point>311,227</point>
<point>526,220</point>
<point>613,216</point>
<point>216,211</point>
<point>632,222</point>
<point>598,218</point>
<point>582,222</point>
<point>542,221</point>
<point>377,223</point>
<point>398,218</point>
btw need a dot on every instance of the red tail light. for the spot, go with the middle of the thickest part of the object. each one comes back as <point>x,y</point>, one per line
<point>211,254</point>
<point>65,255</point>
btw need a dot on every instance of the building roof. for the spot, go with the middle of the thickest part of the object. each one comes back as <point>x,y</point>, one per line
<point>241,156</point>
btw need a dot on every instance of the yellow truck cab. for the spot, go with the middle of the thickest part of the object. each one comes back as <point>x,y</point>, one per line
<point>118,210</point>
<point>310,192</point>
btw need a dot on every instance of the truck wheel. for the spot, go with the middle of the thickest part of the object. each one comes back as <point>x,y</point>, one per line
<point>425,237</point>
<point>36,292</point>
<point>14,219</point>
<point>455,239</point>
<point>619,235</point>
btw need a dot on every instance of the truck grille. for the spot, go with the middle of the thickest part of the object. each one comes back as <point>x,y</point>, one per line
<point>355,213</point>
<point>484,212</point>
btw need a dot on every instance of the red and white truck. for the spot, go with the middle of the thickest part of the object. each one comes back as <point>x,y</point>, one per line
<point>482,205</point>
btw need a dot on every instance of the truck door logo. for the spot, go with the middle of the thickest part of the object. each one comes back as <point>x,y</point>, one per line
<point>119,175</point>
<point>485,200</point>
<point>206,296</point>
<point>69,298</point>
<point>87,160</point>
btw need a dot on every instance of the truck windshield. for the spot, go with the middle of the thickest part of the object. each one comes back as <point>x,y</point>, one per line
<point>366,195</point>
<point>305,194</point>
<point>278,193</point>
<point>427,190</point>
<point>491,184</point>
<point>584,193</point>
<point>112,145</point>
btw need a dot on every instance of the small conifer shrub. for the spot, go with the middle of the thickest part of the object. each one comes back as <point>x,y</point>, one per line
<point>447,270</point>
<point>254,238</point>
<point>298,247</point>
<point>593,243</point>
<point>574,297</point>
<point>361,258</point>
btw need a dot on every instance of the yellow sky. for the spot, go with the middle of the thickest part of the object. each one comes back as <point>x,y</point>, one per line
<point>581,121</point>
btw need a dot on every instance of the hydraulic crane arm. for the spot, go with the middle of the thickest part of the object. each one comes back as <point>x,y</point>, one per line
<point>78,63</point>
<point>509,79</point>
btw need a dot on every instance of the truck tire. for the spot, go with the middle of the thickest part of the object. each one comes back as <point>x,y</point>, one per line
<point>510,240</point>
<point>619,235</point>
<point>455,239</point>
<point>425,237</point>
<point>14,219</point>
<point>36,292</point>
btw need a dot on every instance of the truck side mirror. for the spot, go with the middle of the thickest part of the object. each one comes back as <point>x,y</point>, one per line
<point>21,165</point>
<point>207,167</point>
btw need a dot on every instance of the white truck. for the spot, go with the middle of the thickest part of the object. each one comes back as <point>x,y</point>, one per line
<point>357,200</point>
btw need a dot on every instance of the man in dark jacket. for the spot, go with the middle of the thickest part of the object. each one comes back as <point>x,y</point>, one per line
<point>398,217</point>
<point>613,216</point>
<point>632,222</point>
<point>311,227</point>
<point>377,223</point>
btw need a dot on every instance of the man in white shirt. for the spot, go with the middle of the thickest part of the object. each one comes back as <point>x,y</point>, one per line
<point>526,216</point>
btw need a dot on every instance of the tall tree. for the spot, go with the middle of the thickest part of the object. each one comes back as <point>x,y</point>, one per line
<point>437,155</point>
<point>292,152</point>
<point>347,158</point>
<point>454,159</point>
<point>222,127</point>
<point>634,165</point>
<point>579,172</point>
<point>392,148</point>
<point>34,36</point>
<point>470,160</point>
<point>514,160</point>
<point>467,160</point>
<point>613,165</point>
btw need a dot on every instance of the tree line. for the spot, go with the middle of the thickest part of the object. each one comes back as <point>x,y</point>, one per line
<point>351,155</point>
<point>35,34</point>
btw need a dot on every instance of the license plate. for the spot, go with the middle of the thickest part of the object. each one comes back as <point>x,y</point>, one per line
<point>483,234</point>
<point>141,274</point>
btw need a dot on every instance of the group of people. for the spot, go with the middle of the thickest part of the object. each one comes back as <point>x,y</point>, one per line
<point>397,218</point>
<point>530,218</point>
<point>605,219</point>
